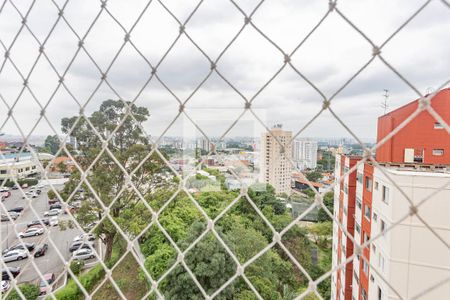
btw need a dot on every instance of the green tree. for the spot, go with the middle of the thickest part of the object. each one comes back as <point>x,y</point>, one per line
<point>51,194</point>
<point>321,233</point>
<point>328,201</point>
<point>52,144</point>
<point>129,146</point>
<point>314,176</point>
<point>62,167</point>
<point>30,291</point>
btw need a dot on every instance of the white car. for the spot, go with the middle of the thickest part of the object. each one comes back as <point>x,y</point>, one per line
<point>4,189</point>
<point>14,255</point>
<point>84,237</point>
<point>54,221</point>
<point>52,212</point>
<point>4,286</point>
<point>30,194</point>
<point>83,254</point>
<point>32,231</point>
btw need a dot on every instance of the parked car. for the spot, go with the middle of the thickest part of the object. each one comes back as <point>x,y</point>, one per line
<point>83,254</point>
<point>54,221</point>
<point>15,187</point>
<point>55,206</point>
<point>15,255</point>
<point>5,195</point>
<point>48,279</point>
<point>80,245</point>
<point>17,209</point>
<point>90,226</point>
<point>84,236</point>
<point>4,286</point>
<point>44,221</point>
<point>53,201</point>
<point>40,250</point>
<point>38,192</point>
<point>13,270</point>
<point>20,246</point>
<point>52,212</point>
<point>4,189</point>
<point>32,231</point>
<point>12,215</point>
<point>31,194</point>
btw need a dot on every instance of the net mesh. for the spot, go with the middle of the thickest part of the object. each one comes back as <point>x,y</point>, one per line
<point>130,172</point>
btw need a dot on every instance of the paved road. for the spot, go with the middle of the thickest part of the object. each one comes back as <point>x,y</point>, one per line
<point>51,262</point>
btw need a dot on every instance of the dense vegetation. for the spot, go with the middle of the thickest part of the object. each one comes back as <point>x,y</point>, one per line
<point>182,223</point>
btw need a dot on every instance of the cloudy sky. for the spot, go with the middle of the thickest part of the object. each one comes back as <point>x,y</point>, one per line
<point>328,58</point>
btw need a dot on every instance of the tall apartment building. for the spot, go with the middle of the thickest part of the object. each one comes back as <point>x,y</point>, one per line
<point>305,154</point>
<point>275,168</point>
<point>409,257</point>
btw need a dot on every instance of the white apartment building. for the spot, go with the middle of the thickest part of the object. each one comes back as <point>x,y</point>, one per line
<point>409,257</point>
<point>305,153</point>
<point>275,168</point>
<point>11,167</point>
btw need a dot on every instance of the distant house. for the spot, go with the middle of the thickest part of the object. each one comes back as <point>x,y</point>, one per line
<point>301,185</point>
<point>62,164</point>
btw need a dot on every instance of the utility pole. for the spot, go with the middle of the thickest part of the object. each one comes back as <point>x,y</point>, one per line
<point>385,104</point>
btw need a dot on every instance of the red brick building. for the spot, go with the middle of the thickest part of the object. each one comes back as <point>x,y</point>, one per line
<point>423,140</point>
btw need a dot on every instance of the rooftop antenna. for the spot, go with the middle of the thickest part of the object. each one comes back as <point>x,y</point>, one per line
<point>385,104</point>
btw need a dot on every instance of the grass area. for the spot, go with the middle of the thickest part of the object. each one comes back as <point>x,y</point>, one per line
<point>126,276</point>
<point>324,258</point>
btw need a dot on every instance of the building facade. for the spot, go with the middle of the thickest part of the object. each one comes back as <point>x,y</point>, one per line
<point>304,154</point>
<point>17,166</point>
<point>423,140</point>
<point>408,257</point>
<point>275,168</point>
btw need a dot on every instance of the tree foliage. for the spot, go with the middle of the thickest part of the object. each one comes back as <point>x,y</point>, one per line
<point>128,146</point>
<point>51,144</point>
<point>328,201</point>
<point>30,291</point>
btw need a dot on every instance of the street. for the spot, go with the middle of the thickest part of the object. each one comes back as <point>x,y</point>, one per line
<point>49,263</point>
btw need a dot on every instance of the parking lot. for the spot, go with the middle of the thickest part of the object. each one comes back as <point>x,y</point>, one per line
<point>51,261</point>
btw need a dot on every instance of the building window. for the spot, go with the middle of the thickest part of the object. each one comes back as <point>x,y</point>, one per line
<point>381,262</point>
<point>365,267</point>
<point>367,211</point>
<point>371,278</point>
<point>382,226</point>
<point>380,294</point>
<point>438,152</point>
<point>358,228</point>
<point>358,202</point>
<point>368,184</point>
<point>356,276</point>
<point>375,217</point>
<point>366,237</point>
<point>438,125</point>
<point>385,194</point>
<point>2,171</point>
<point>359,177</point>
<point>345,189</point>
<point>376,185</point>
<point>374,248</point>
